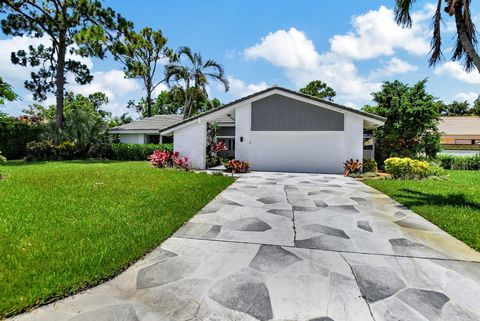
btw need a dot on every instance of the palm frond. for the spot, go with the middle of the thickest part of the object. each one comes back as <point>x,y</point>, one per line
<point>436,54</point>
<point>402,12</point>
<point>187,52</point>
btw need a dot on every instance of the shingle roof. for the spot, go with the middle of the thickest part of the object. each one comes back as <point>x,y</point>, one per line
<point>156,123</point>
<point>460,125</point>
<point>356,111</point>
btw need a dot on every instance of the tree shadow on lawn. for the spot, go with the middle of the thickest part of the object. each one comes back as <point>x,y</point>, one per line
<point>417,198</point>
<point>15,163</point>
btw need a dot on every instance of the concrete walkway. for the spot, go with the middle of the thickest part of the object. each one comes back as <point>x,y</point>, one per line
<point>279,246</point>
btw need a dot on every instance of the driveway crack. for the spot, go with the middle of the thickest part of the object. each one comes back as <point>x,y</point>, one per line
<point>293,215</point>
<point>358,285</point>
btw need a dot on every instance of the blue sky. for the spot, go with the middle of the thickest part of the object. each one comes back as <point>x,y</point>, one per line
<point>351,45</point>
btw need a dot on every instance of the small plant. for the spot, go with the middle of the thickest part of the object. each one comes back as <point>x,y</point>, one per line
<point>352,167</point>
<point>218,147</point>
<point>236,166</point>
<point>160,158</point>
<point>180,162</point>
<point>3,159</point>
<point>369,166</point>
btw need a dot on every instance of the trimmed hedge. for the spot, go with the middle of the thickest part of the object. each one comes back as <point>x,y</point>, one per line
<point>133,152</point>
<point>459,162</point>
<point>14,136</point>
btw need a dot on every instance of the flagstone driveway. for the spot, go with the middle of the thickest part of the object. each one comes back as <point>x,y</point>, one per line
<point>280,246</point>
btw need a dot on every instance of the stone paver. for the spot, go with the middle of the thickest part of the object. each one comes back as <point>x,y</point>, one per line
<point>280,246</point>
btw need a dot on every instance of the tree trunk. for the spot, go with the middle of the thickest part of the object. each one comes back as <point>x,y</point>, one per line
<point>149,103</point>
<point>463,37</point>
<point>60,82</point>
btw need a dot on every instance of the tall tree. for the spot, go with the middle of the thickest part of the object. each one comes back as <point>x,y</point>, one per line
<point>466,40</point>
<point>72,27</point>
<point>192,76</point>
<point>142,54</point>
<point>6,92</point>
<point>476,107</point>
<point>412,118</point>
<point>457,108</point>
<point>319,89</point>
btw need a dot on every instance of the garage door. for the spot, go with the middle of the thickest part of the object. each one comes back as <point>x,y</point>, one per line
<point>313,152</point>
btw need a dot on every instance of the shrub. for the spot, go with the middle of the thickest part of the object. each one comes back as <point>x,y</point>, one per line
<point>407,168</point>
<point>15,134</point>
<point>352,167</point>
<point>160,158</point>
<point>100,151</point>
<point>236,166</point>
<point>436,171</point>
<point>41,150</point>
<point>370,166</point>
<point>65,150</point>
<point>459,162</point>
<point>46,150</point>
<point>134,152</point>
<point>3,159</point>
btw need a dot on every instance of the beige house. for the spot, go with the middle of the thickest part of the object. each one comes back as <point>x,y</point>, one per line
<point>460,134</point>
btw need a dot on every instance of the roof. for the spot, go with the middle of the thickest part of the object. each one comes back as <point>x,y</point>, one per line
<point>356,111</point>
<point>156,123</point>
<point>460,125</point>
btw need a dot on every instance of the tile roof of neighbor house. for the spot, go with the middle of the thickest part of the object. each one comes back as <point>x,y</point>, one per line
<point>360,112</point>
<point>460,125</point>
<point>156,122</point>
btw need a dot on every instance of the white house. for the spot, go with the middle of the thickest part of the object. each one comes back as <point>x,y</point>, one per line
<point>281,130</point>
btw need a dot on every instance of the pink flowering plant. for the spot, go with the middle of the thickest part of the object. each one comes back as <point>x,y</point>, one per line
<point>163,159</point>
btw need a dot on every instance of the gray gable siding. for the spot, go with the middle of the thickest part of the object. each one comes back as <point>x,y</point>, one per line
<point>280,113</point>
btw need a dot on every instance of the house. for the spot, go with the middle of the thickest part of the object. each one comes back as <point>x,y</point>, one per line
<point>460,135</point>
<point>281,130</point>
<point>147,131</point>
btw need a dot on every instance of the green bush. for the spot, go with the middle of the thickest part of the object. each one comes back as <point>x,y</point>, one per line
<point>3,159</point>
<point>15,134</point>
<point>459,162</point>
<point>47,150</point>
<point>132,152</point>
<point>369,166</point>
<point>407,168</point>
<point>100,151</point>
<point>437,171</point>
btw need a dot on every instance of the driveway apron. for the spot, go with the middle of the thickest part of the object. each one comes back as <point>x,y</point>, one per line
<point>284,246</point>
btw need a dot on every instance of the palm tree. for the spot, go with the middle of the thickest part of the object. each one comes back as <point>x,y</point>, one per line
<point>466,40</point>
<point>193,77</point>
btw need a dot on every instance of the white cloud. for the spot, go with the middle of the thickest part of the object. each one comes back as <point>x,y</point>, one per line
<point>289,49</point>
<point>394,66</point>
<point>468,96</point>
<point>239,88</point>
<point>455,70</point>
<point>377,34</point>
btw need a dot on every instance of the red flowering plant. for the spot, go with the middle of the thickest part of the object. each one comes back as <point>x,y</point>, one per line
<point>160,158</point>
<point>218,147</point>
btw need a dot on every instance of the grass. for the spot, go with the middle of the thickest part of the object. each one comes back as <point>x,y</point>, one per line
<point>66,226</point>
<point>452,204</point>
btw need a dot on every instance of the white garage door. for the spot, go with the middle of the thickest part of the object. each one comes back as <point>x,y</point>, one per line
<point>297,151</point>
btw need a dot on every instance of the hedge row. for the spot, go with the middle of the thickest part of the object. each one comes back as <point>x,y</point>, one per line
<point>133,152</point>
<point>459,162</point>
<point>14,136</point>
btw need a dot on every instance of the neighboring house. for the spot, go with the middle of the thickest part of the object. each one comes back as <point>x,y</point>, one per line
<point>147,131</point>
<point>460,135</point>
<point>281,130</point>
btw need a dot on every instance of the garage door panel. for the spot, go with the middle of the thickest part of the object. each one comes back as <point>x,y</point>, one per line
<point>293,151</point>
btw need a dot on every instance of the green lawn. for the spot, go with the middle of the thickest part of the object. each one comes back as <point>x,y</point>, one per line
<point>65,226</point>
<point>452,204</point>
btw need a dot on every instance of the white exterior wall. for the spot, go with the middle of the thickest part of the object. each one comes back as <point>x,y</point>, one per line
<point>132,138</point>
<point>242,129</point>
<point>191,141</point>
<point>353,129</point>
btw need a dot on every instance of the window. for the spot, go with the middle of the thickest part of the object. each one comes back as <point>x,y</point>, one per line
<point>152,139</point>
<point>464,141</point>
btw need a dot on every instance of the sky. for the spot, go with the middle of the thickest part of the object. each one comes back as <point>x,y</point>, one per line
<point>352,45</point>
